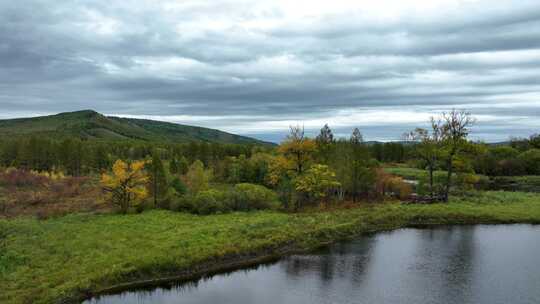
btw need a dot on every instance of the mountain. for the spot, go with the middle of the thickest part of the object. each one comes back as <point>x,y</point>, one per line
<point>88,124</point>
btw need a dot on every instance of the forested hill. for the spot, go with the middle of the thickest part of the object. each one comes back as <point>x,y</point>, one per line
<point>89,124</point>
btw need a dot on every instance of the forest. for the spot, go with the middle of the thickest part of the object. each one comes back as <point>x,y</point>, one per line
<point>47,177</point>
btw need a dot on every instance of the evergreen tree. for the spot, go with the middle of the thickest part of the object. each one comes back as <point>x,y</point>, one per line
<point>178,185</point>
<point>362,167</point>
<point>158,185</point>
<point>325,141</point>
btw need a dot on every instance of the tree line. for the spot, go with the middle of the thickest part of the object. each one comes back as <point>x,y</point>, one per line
<point>302,171</point>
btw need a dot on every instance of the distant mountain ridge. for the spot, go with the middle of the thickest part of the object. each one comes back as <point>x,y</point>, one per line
<point>89,124</point>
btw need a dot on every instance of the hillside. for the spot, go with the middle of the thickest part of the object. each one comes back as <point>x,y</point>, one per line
<point>88,124</point>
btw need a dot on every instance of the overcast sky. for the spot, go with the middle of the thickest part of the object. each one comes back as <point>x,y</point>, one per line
<point>256,67</point>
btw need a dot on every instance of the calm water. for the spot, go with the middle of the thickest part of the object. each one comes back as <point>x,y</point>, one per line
<point>471,264</point>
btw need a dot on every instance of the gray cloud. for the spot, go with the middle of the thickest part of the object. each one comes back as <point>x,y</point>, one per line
<point>254,68</point>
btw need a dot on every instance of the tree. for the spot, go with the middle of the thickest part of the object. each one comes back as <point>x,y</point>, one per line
<point>127,184</point>
<point>178,186</point>
<point>298,149</point>
<point>173,166</point>
<point>280,177</point>
<point>324,142</point>
<point>455,130</point>
<point>157,185</point>
<point>534,141</point>
<point>183,165</point>
<point>197,178</point>
<point>259,164</point>
<point>317,182</point>
<point>362,174</point>
<point>427,146</point>
<point>100,159</point>
<point>531,159</point>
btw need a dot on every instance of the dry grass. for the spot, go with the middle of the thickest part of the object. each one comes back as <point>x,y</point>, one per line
<point>24,193</point>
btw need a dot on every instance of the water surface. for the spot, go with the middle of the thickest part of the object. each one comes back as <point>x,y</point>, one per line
<point>461,264</point>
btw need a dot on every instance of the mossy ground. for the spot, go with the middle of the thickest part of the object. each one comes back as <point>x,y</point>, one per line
<point>63,258</point>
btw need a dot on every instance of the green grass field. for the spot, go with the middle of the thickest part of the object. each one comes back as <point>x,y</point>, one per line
<point>63,258</point>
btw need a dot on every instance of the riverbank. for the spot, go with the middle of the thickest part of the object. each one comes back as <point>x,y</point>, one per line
<point>70,258</point>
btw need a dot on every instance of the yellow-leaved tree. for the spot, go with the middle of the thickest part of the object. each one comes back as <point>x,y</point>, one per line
<point>317,182</point>
<point>126,185</point>
<point>298,149</point>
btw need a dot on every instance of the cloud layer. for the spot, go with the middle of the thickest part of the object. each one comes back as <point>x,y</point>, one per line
<point>256,67</point>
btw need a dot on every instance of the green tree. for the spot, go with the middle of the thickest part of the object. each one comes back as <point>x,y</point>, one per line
<point>158,184</point>
<point>325,143</point>
<point>178,185</point>
<point>534,141</point>
<point>100,158</point>
<point>173,166</point>
<point>531,159</point>
<point>183,165</point>
<point>362,169</point>
<point>197,178</point>
<point>455,130</point>
<point>428,146</point>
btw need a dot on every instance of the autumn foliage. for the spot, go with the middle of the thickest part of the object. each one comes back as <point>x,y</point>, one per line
<point>127,184</point>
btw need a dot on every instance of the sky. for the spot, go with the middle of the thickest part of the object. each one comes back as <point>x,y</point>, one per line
<point>256,67</point>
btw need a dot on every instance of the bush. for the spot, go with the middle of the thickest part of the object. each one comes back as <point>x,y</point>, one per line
<point>243,197</point>
<point>439,181</point>
<point>254,197</point>
<point>184,203</point>
<point>393,185</point>
<point>531,160</point>
<point>209,202</point>
<point>15,178</point>
<point>3,205</point>
<point>400,188</point>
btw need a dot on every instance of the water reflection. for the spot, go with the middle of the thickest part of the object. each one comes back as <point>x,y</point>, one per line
<point>474,264</point>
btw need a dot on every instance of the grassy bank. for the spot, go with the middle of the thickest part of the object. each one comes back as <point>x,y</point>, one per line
<point>526,183</point>
<point>68,257</point>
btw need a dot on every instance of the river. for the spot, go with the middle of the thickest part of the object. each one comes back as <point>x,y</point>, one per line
<point>456,264</point>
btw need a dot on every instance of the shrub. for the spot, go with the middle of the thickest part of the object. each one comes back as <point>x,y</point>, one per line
<point>13,178</point>
<point>393,185</point>
<point>510,167</point>
<point>399,187</point>
<point>3,205</point>
<point>531,160</point>
<point>465,182</point>
<point>185,203</point>
<point>209,202</point>
<point>254,197</point>
<point>243,197</point>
